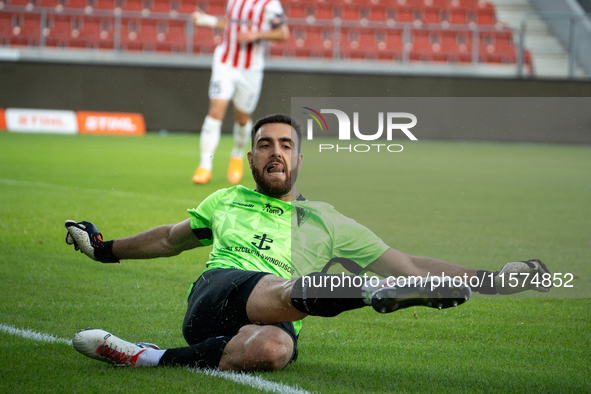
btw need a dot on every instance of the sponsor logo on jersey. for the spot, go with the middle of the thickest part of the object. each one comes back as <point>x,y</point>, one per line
<point>243,205</point>
<point>273,210</point>
<point>302,215</point>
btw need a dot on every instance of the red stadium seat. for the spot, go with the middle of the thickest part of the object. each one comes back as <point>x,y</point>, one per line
<point>325,11</point>
<point>471,4</point>
<point>388,44</point>
<point>353,42</point>
<point>206,39</point>
<point>211,7</point>
<point>406,14</point>
<point>486,14</point>
<point>58,31</point>
<point>131,28</point>
<point>430,45</point>
<point>457,46</point>
<point>457,16</point>
<point>5,28</point>
<point>441,4</point>
<point>176,37</point>
<point>98,32</point>
<point>148,33</point>
<point>320,40</point>
<point>371,43</point>
<point>188,7</point>
<point>76,39</point>
<point>497,47</point>
<point>48,3</point>
<point>22,29</point>
<point>165,6</point>
<point>350,12</point>
<point>296,10</point>
<point>18,2</point>
<point>376,13</point>
<point>131,5</point>
<point>305,42</point>
<point>76,4</point>
<point>104,5</point>
<point>163,36</point>
<point>432,15</point>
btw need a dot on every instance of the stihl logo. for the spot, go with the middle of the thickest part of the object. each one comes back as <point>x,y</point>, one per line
<point>392,124</point>
<point>109,123</point>
<point>35,120</point>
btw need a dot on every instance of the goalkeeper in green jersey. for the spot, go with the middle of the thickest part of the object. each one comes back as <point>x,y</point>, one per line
<point>271,249</point>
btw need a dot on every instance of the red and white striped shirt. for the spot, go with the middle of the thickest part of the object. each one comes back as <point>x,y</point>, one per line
<point>247,15</point>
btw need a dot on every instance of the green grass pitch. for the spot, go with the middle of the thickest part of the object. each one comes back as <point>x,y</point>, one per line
<point>475,204</point>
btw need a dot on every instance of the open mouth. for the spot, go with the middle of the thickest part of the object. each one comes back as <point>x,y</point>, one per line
<point>275,169</point>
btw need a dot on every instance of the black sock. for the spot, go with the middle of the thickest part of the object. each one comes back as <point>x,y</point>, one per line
<point>327,295</point>
<point>206,354</point>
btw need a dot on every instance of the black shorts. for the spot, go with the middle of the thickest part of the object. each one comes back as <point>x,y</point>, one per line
<point>217,306</point>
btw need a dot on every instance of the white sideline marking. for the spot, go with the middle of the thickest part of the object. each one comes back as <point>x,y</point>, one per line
<point>30,334</point>
<point>255,382</point>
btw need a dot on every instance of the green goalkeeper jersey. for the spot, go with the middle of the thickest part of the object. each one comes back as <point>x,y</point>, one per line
<point>254,232</point>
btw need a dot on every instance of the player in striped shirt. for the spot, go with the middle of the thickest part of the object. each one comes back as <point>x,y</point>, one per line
<point>237,76</point>
<point>244,312</point>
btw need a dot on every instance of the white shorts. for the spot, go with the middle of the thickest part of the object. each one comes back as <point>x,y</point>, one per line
<point>243,87</point>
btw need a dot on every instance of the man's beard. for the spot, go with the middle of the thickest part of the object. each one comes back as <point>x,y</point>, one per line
<point>265,187</point>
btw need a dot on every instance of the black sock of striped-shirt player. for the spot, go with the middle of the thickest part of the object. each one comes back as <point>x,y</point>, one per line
<point>206,354</point>
<point>326,301</point>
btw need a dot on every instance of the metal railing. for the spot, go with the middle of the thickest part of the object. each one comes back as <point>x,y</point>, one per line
<point>572,42</point>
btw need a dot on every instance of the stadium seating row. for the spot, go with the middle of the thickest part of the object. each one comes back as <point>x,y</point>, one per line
<point>389,44</point>
<point>440,41</point>
<point>170,35</point>
<point>426,11</point>
<point>215,7</point>
<point>99,33</point>
<point>483,15</point>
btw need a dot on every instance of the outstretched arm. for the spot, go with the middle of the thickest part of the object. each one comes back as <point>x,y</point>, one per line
<point>162,241</point>
<point>200,18</point>
<point>280,33</point>
<point>512,278</point>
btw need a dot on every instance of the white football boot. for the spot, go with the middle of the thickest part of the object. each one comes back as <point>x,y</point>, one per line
<point>103,346</point>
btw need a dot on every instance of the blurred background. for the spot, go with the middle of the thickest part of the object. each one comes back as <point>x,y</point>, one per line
<point>146,56</point>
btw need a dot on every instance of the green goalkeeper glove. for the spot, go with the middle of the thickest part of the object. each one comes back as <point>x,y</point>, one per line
<point>88,240</point>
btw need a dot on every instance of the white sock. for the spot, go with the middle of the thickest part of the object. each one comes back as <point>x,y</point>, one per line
<point>241,135</point>
<point>210,138</point>
<point>149,358</point>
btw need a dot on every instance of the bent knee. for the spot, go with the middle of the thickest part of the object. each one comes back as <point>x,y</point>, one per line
<point>267,347</point>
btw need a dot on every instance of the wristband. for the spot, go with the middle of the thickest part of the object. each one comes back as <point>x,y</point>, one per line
<point>104,253</point>
<point>206,20</point>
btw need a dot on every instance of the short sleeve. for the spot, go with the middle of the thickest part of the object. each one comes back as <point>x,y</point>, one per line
<point>203,216</point>
<point>356,242</point>
<point>274,15</point>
